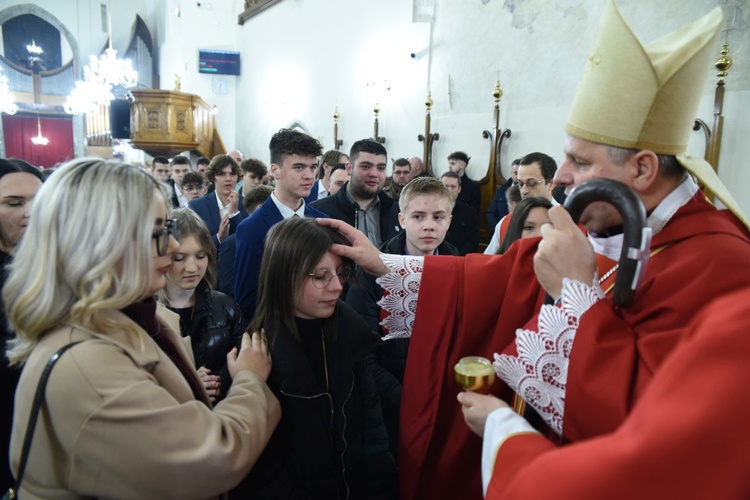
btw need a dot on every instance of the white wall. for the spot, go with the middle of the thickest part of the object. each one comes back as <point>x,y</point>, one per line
<point>211,26</point>
<point>302,58</point>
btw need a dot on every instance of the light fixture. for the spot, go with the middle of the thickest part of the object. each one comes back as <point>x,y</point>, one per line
<point>34,48</point>
<point>100,76</point>
<point>7,100</point>
<point>39,140</point>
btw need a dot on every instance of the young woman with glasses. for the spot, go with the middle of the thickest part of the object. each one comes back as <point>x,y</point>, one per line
<point>332,441</point>
<point>125,414</point>
<point>211,319</point>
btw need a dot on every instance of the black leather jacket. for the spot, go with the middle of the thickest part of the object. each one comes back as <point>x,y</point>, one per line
<point>217,326</point>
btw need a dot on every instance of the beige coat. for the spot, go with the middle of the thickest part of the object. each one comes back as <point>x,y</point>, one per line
<point>120,421</point>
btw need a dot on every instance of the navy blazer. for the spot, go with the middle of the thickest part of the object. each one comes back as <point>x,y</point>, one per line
<point>225,266</point>
<point>208,209</point>
<point>250,240</point>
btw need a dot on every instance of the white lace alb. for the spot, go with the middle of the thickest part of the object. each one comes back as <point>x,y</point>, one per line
<point>540,371</point>
<point>402,284</point>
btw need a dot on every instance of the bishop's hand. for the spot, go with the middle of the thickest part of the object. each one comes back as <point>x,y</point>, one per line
<point>564,252</point>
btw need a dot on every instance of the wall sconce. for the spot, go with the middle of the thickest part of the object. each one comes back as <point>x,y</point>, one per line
<point>337,143</point>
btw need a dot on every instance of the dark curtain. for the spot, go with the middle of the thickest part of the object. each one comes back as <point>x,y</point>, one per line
<point>19,129</point>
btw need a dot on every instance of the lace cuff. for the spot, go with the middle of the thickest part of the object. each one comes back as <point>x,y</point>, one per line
<point>540,371</point>
<point>402,285</point>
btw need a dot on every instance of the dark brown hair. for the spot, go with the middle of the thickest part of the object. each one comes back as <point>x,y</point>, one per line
<point>293,248</point>
<point>220,161</point>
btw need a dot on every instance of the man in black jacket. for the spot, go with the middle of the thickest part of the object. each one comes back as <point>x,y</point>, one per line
<point>362,202</point>
<point>463,232</point>
<point>470,192</point>
<point>425,216</point>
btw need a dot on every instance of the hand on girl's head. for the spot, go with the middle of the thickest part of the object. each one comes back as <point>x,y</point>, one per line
<point>361,251</point>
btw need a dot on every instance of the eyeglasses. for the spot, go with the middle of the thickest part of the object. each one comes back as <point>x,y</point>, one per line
<point>192,188</point>
<point>531,184</point>
<point>322,277</point>
<point>162,236</point>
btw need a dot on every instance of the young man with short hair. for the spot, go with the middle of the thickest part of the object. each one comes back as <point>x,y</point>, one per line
<point>294,164</point>
<point>463,232</point>
<point>201,165</point>
<point>322,187</point>
<point>339,176</point>
<point>361,202</point>
<point>180,167</point>
<point>425,216</point>
<point>193,186</point>
<point>160,169</point>
<point>221,210</point>
<point>253,171</point>
<point>470,192</point>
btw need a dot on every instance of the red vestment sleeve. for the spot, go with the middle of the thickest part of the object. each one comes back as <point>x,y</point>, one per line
<point>467,306</point>
<point>685,437</point>
<point>617,351</point>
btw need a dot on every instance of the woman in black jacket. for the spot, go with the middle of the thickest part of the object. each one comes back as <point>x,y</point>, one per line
<point>332,441</point>
<point>211,319</point>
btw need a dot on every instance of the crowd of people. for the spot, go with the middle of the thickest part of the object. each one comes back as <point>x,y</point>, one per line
<point>290,330</point>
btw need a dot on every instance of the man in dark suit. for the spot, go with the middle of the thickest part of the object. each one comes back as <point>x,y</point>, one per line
<point>201,165</point>
<point>463,232</point>
<point>160,169</point>
<point>470,193</point>
<point>294,164</point>
<point>180,167</point>
<point>361,202</point>
<point>222,209</point>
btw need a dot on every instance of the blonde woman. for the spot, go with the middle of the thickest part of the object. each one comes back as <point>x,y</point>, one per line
<point>125,414</point>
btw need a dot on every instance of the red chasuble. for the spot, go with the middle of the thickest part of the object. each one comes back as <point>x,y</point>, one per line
<point>473,305</point>
<point>684,438</point>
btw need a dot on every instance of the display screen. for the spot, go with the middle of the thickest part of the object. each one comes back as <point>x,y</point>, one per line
<point>219,62</point>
